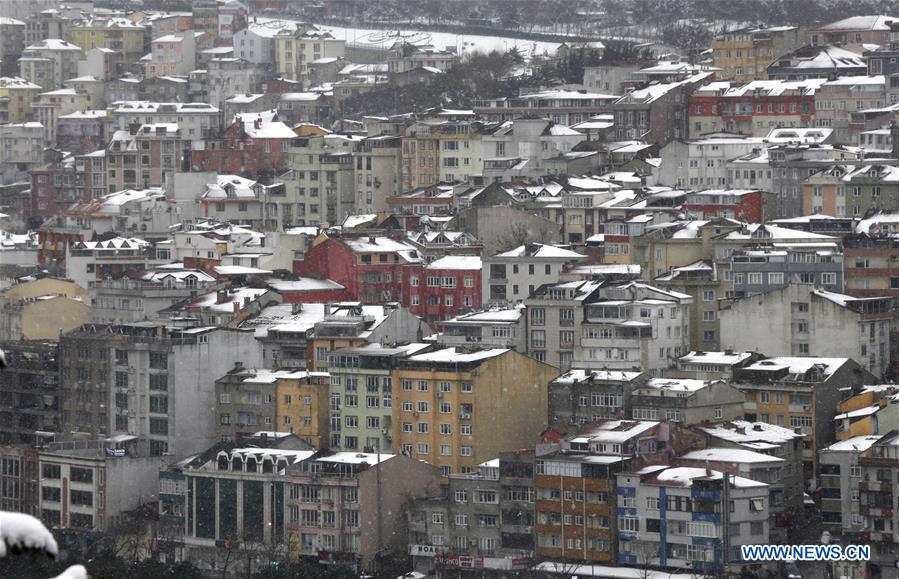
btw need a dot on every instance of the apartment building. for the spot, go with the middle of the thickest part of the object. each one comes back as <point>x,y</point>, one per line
<point>841,482</point>
<point>555,310</point>
<point>774,442</point>
<point>302,406</point>
<point>50,62</point>
<point>245,402</point>
<point>455,408</point>
<point>137,296</point>
<point>577,505</point>
<point>869,261</point>
<point>522,148</point>
<point>321,178</point>
<point>744,54</point>
<point>350,505</point>
<point>491,328</point>
<point>689,517</point>
<point>378,168</point>
<point>93,485</point>
<point>29,389</point>
<point>296,49</point>
<point>708,365</point>
<point>485,520</point>
<point>870,470</point>
<point>349,324</point>
<point>16,96</point>
<point>762,271</point>
<point>21,150</point>
<point>634,325</point>
<point>801,393</point>
<point>148,380</point>
<point>850,190</point>
<point>754,108</point>
<point>657,113</point>
<point>562,106</point>
<point>361,396</point>
<point>580,396</point>
<point>514,275</point>
<point>852,32</point>
<point>837,99</point>
<point>815,322</point>
<point>116,33</point>
<point>687,401</point>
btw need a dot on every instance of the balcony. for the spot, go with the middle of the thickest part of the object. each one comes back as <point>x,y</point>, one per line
<point>874,486</point>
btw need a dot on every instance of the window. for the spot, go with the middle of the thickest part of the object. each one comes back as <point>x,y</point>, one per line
<point>82,475</point>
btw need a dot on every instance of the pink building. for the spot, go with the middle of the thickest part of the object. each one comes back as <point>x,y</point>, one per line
<point>175,54</point>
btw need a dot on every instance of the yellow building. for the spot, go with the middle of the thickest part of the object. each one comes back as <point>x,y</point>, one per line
<point>119,34</point>
<point>864,412</point>
<point>302,406</point>
<point>296,49</point>
<point>16,96</point>
<point>421,157</point>
<point>310,130</point>
<point>457,409</point>
<point>42,309</point>
<point>744,55</point>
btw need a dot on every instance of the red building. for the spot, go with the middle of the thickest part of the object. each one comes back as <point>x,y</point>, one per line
<point>754,108</point>
<point>254,145</point>
<point>373,270</point>
<point>52,190</point>
<point>744,204</point>
<point>445,288</point>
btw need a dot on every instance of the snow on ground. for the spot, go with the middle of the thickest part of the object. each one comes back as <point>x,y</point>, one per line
<point>73,572</point>
<point>462,43</point>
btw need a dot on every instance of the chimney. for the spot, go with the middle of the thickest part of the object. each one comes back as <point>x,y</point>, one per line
<point>372,240</point>
<point>741,430</point>
<point>296,308</point>
<point>238,366</point>
<point>327,309</point>
<point>221,296</point>
<point>236,307</point>
<point>246,302</point>
<point>257,123</point>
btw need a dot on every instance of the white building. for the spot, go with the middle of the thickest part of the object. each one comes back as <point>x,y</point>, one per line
<point>50,62</point>
<point>513,275</point>
<point>256,42</point>
<point>521,148</point>
<point>632,326</point>
<point>21,149</point>
<point>800,320</point>
<point>658,525</point>
<point>195,120</point>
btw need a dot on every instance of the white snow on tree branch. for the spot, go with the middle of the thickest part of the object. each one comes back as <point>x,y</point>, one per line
<point>73,572</point>
<point>20,531</point>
